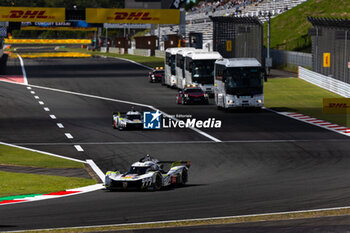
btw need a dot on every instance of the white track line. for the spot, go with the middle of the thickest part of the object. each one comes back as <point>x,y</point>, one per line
<point>23,70</point>
<point>194,220</point>
<point>29,88</point>
<point>60,125</point>
<point>41,102</point>
<point>32,92</point>
<point>42,152</point>
<point>47,109</point>
<point>96,169</point>
<point>118,101</point>
<point>36,97</point>
<point>53,117</point>
<point>68,135</point>
<point>78,148</point>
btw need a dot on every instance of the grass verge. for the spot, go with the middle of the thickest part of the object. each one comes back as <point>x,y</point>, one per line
<point>15,156</point>
<point>289,31</point>
<point>297,95</point>
<point>148,61</point>
<point>21,183</point>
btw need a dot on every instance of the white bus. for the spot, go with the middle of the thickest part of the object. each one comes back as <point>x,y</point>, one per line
<point>169,66</point>
<point>200,70</point>
<point>238,83</point>
<point>180,66</point>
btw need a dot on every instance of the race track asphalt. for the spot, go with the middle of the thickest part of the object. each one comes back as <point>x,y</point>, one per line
<point>265,163</point>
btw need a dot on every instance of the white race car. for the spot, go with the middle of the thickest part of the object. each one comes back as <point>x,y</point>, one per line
<point>130,120</point>
<point>148,174</point>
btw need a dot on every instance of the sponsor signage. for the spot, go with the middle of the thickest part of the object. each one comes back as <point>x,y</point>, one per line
<point>123,25</point>
<point>326,60</point>
<point>32,14</point>
<point>134,16</point>
<point>336,105</point>
<point>80,25</point>
<point>228,45</point>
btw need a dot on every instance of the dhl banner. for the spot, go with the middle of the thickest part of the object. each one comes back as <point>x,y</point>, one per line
<point>138,16</point>
<point>32,14</point>
<point>336,105</point>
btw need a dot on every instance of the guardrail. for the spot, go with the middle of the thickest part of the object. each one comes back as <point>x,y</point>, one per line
<point>326,82</point>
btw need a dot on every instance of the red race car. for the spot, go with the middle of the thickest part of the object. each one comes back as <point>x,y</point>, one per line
<point>192,95</point>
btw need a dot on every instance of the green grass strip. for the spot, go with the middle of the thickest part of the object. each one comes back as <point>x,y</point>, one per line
<point>15,156</point>
<point>18,197</point>
<point>22,184</point>
<point>297,95</point>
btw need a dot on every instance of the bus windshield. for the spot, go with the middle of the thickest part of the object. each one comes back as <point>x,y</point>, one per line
<point>243,80</point>
<point>203,71</point>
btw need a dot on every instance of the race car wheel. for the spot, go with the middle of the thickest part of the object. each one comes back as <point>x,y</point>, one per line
<point>114,125</point>
<point>158,183</point>
<point>184,177</point>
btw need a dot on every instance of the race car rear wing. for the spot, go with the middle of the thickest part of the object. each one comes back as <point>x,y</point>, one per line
<point>177,163</point>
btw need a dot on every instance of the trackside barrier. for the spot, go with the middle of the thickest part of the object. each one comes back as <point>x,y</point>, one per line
<point>326,82</point>
<point>114,50</point>
<point>159,53</point>
<point>140,52</point>
<point>103,50</point>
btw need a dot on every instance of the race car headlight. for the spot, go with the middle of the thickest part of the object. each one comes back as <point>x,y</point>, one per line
<point>230,102</point>
<point>259,101</point>
<point>186,95</point>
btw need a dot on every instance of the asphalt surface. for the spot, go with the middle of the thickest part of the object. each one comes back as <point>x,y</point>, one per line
<point>265,162</point>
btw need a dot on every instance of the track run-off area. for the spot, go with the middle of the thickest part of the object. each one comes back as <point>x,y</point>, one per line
<point>257,162</point>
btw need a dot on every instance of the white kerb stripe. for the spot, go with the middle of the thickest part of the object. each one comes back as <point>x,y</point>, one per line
<point>47,109</point>
<point>96,169</point>
<point>60,125</point>
<point>68,135</point>
<point>41,102</point>
<point>53,116</point>
<point>32,92</point>
<point>36,97</point>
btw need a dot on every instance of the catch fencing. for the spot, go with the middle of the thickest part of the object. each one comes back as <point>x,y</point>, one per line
<point>330,47</point>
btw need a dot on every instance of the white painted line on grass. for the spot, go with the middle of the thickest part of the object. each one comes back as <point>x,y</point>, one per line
<point>41,102</point>
<point>23,70</point>
<point>68,135</point>
<point>96,169</point>
<point>36,97</point>
<point>42,152</point>
<point>47,109</point>
<point>78,147</point>
<point>32,92</point>
<point>53,117</point>
<point>60,125</point>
